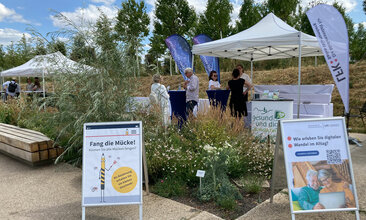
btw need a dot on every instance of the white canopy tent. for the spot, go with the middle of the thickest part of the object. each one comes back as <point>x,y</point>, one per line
<point>45,65</point>
<point>270,38</point>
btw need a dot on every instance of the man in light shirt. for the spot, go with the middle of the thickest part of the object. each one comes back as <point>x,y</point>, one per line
<point>11,88</point>
<point>192,88</point>
<point>245,90</point>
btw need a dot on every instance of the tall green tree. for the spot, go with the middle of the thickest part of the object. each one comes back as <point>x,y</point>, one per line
<point>57,45</point>
<point>358,43</point>
<point>250,13</point>
<point>40,48</point>
<point>24,49</point>
<point>171,17</point>
<point>132,24</point>
<point>80,52</point>
<point>283,9</point>
<point>214,22</point>
<point>106,37</point>
<point>364,6</point>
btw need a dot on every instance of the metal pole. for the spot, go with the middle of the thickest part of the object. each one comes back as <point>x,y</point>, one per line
<point>140,211</point>
<point>316,61</point>
<point>44,91</point>
<point>137,63</point>
<point>192,60</point>
<point>170,65</point>
<point>299,80</point>
<point>83,213</point>
<point>251,74</point>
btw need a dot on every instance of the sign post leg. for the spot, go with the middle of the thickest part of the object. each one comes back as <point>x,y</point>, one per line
<point>357,215</point>
<point>274,168</point>
<point>293,216</point>
<point>83,213</point>
<point>140,211</point>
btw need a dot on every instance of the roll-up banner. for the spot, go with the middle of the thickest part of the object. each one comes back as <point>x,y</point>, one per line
<point>331,31</point>
<point>210,63</point>
<point>180,51</point>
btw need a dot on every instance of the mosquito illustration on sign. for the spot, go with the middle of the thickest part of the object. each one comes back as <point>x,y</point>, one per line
<point>102,176</point>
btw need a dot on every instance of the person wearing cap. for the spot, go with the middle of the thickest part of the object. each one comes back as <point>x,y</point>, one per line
<point>11,88</point>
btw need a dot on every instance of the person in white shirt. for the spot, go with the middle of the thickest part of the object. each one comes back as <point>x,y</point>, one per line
<point>160,93</point>
<point>192,90</point>
<point>213,82</point>
<point>11,88</point>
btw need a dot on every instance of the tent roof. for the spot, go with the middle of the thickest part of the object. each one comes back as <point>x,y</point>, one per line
<point>49,64</point>
<point>270,38</point>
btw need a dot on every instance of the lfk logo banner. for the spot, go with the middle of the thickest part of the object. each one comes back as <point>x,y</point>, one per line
<point>331,31</point>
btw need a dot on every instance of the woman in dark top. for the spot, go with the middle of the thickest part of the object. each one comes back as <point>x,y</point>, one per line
<point>237,102</point>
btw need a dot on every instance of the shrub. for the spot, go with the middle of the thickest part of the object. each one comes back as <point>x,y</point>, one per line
<point>171,186</point>
<point>252,184</point>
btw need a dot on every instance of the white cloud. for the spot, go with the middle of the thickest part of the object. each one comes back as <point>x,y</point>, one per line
<point>106,2</point>
<point>355,26</point>
<point>9,35</point>
<point>199,5</point>
<point>349,5</point>
<point>84,17</point>
<point>7,14</point>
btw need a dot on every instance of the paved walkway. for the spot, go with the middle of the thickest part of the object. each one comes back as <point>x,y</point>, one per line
<point>54,192</point>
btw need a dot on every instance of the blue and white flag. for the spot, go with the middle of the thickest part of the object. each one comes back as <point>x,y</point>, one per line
<point>180,51</point>
<point>210,63</point>
<point>331,31</point>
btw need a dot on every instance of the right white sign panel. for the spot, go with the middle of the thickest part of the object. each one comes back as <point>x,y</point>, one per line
<point>318,165</point>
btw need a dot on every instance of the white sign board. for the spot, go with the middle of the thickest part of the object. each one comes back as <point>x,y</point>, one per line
<point>318,165</point>
<point>112,164</point>
<point>200,173</point>
<point>266,114</point>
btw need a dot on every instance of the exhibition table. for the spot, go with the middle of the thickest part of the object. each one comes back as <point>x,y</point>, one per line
<point>178,103</point>
<point>218,96</point>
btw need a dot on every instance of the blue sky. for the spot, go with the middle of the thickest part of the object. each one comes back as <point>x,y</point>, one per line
<point>17,15</point>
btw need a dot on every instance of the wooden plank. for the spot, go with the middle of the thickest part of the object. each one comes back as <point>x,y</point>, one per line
<point>43,142</point>
<point>19,142</point>
<point>23,129</point>
<point>25,155</point>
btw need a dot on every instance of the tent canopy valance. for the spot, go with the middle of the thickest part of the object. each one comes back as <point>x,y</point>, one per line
<point>270,38</point>
<point>44,65</point>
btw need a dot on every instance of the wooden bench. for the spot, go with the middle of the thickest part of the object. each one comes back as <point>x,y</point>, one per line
<point>31,147</point>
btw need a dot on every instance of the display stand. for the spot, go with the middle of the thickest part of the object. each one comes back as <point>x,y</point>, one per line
<point>315,148</point>
<point>218,96</point>
<point>178,104</point>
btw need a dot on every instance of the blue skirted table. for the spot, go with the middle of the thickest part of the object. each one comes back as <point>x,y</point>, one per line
<point>218,96</point>
<point>178,104</point>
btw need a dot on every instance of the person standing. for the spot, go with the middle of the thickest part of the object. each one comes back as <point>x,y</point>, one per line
<point>159,95</point>
<point>213,82</point>
<point>11,88</point>
<point>192,88</point>
<point>237,103</point>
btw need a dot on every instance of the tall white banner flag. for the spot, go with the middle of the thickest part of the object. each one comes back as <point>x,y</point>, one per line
<point>331,32</point>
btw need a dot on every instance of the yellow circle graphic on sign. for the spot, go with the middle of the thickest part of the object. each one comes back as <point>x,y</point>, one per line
<point>124,179</point>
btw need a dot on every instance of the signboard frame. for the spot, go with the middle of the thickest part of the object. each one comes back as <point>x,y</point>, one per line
<point>280,146</point>
<point>141,163</point>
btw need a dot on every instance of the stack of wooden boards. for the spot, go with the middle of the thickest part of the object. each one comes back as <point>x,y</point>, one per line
<point>27,145</point>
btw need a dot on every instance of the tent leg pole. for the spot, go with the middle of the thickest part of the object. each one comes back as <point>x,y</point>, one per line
<point>192,61</point>
<point>251,75</point>
<point>44,91</point>
<point>299,81</point>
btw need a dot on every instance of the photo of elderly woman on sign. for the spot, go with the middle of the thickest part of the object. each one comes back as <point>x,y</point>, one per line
<point>213,83</point>
<point>237,102</point>
<point>328,186</point>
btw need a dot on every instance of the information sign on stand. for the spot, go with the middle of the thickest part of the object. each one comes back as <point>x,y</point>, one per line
<point>112,164</point>
<point>318,165</point>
